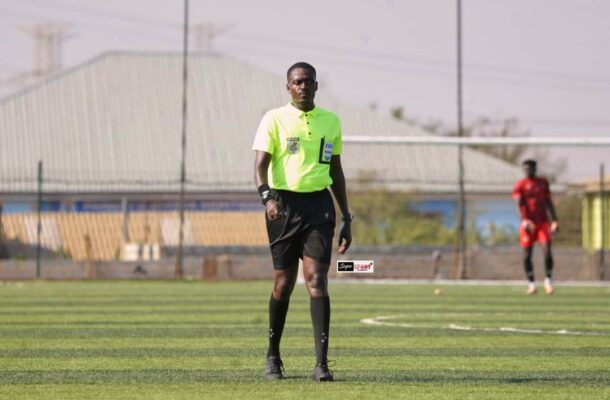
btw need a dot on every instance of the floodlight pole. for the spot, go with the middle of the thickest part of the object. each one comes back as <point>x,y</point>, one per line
<point>461,212</point>
<point>179,256</point>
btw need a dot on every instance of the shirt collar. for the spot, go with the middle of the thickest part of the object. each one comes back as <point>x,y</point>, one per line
<point>293,110</point>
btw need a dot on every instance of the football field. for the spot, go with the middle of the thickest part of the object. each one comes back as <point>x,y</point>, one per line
<point>192,340</point>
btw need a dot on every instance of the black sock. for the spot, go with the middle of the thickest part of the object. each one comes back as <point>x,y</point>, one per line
<point>277,318</point>
<point>528,265</point>
<point>548,262</point>
<point>320,317</point>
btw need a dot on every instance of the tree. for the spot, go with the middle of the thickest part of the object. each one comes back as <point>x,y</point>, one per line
<point>387,218</point>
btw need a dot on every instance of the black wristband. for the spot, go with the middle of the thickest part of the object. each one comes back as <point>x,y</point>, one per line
<point>268,195</point>
<point>263,188</point>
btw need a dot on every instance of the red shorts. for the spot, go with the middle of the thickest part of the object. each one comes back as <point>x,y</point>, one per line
<point>541,234</point>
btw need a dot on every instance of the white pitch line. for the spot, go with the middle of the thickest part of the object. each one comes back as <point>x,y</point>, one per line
<point>383,321</point>
<point>519,330</point>
<point>380,321</point>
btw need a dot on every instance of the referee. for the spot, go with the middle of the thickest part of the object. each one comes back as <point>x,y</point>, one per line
<point>298,149</point>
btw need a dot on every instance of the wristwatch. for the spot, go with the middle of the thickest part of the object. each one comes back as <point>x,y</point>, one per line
<point>349,217</point>
<point>268,195</point>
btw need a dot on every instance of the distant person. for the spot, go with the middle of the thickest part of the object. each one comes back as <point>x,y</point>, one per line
<point>298,149</point>
<point>533,197</point>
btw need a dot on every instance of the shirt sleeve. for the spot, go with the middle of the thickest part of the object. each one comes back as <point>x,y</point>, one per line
<point>265,135</point>
<point>338,143</point>
<point>517,195</point>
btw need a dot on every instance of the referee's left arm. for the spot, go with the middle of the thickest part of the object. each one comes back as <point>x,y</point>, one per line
<point>338,188</point>
<point>338,185</point>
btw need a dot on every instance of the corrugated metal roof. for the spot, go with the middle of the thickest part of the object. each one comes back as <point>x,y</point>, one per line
<point>114,123</point>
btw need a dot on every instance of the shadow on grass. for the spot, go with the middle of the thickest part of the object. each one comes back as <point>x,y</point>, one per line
<point>172,376</point>
<point>137,352</point>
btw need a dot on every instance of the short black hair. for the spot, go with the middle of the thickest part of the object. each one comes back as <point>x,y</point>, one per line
<point>530,162</point>
<point>300,64</point>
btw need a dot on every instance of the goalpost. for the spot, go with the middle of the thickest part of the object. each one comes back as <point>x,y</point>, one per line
<point>479,141</point>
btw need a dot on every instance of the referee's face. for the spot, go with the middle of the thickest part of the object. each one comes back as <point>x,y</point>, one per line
<point>302,86</point>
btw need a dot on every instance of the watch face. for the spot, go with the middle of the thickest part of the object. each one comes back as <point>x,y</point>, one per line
<point>266,196</point>
<point>269,195</point>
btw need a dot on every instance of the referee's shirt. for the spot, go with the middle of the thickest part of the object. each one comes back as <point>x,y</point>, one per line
<point>301,145</point>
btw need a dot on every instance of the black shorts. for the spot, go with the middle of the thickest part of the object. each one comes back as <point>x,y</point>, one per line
<point>305,227</point>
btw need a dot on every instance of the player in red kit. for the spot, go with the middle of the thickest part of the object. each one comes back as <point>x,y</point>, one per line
<point>533,197</point>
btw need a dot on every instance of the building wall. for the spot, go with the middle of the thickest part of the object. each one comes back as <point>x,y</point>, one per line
<point>592,223</point>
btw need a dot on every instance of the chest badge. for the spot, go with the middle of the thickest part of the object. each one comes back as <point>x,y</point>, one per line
<point>326,152</point>
<point>293,145</point>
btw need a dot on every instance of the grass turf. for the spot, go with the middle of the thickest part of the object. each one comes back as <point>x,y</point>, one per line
<point>189,340</point>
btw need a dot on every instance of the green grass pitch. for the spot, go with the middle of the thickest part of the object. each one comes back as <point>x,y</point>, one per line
<point>192,340</point>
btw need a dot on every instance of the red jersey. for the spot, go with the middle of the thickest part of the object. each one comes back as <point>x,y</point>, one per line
<point>533,196</point>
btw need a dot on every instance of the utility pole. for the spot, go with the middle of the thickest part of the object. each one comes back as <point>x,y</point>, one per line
<point>461,212</point>
<point>179,267</point>
<point>39,220</point>
<point>602,212</point>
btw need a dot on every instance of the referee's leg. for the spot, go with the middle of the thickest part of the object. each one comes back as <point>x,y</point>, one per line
<point>316,280</point>
<point>284,280</point>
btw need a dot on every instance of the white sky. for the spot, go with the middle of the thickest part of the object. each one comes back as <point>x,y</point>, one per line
<point>546,62</point>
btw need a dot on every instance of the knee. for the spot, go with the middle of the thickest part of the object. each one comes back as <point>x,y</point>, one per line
<point>527,258</point>
<point>316,283</point>
<point>282,289</point>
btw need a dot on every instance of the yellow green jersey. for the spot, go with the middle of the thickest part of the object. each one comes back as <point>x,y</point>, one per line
<point>301,145</point>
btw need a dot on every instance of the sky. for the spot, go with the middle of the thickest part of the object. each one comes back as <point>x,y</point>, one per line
<point>544,62</point>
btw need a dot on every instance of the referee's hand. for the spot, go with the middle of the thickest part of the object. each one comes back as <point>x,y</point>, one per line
<point>345,237</point>
<point>273,210</point>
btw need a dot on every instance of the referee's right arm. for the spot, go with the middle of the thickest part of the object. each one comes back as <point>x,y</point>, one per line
<point>261,166</point>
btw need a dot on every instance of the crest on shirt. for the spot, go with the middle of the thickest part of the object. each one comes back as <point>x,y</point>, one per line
<point>293,145</point>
